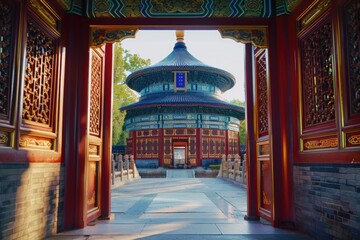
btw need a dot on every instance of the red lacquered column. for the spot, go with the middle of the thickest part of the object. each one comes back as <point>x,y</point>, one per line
<point>252,199</point>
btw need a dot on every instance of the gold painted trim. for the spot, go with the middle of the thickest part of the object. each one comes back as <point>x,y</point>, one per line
<point>322,143</point>
<point>257,35</point>
<point>338,77</point>
<point>39,8</point>
<point>93,150</point>
<point>300,91</point>
<point>35,143</point>
<point>354,139</point>
<point>3,138</point>
<point>312,12</point>
<point>100,36</point>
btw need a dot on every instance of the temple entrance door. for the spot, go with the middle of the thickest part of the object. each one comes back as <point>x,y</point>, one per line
<point>179,154</point>
<point>94,158</point>
<point>263,156</point>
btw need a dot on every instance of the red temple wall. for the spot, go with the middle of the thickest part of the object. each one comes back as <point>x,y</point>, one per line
<point>145,144</point>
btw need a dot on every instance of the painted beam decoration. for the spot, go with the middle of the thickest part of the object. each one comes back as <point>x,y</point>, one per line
<point>99,36</point>
<point>257,35</point>
<point>180,8</point>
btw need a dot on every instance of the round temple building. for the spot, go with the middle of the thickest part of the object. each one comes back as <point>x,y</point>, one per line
<point>181,118</point>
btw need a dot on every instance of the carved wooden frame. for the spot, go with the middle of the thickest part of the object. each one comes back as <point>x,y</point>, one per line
<point>338,141</point>
<point>8,121</point>
<point>321,135</point>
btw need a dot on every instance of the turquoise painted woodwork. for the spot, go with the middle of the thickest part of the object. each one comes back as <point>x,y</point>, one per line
<point>180,8</point>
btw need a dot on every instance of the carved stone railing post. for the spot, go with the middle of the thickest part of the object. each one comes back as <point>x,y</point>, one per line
<point>112,169</point>
<point>132,165</point>
<point>119,159</point>
<point>228,165</point>
<point>126,158</point>
<point>224,166</point>
<point>120,165</point>
<point>223,161</point>
<point>236,166</point>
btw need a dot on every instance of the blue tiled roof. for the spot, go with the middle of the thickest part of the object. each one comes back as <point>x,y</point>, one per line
<point>182,99</point>
<point>180,60</point>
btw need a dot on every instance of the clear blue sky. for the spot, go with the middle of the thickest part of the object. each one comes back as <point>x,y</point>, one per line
<point>207,46</point>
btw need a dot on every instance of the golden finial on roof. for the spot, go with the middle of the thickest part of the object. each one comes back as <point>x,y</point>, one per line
<point>179,35</point>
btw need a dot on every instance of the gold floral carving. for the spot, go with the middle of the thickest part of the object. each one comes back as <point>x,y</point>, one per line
<point>322,143</point>
<point>257,35</point>
<point>91,200</point>
<point>93,150</point>
<point>39,8</point>
<point>3,138</point>
<point>265,200</point>
<point>34,142</point>
<point>354,139</point>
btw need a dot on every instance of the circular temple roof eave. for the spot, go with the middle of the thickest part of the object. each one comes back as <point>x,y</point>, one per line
<point>179,60</point>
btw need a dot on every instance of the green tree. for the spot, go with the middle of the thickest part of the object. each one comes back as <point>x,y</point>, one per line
<point>242,123</point>
<point>124,63</point>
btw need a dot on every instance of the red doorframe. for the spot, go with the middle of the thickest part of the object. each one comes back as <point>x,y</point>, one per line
<point>75,154</point>
<point>180,143</point>
<point>252,193</point>
<point>107,137</point>
<point>75,120</point>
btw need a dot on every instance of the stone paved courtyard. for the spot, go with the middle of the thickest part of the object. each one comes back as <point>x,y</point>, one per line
<point>179,208</point>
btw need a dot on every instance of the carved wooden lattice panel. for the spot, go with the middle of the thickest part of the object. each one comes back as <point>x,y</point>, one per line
<point>147,147</point>
<point>317,76</point>
<point>262,96</point>
<point>167,150</point>
<point>205,147</point>
<point>129,146</point>
<point>192,146</point>
<point>95,92</point>
<point>39,76</point>
<point>138,147</point>
<point>6,38</point>
<point>352,26</point>
<point>233,142</point>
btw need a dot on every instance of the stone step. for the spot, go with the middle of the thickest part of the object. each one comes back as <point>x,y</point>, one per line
<point>180,173</point>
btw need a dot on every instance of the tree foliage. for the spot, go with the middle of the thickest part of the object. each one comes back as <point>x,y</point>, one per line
<point>242,123</point>
<point>124,63</point>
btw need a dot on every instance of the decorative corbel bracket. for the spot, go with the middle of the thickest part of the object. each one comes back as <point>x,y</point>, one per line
<point>257,35</point>
<point>99,36</point>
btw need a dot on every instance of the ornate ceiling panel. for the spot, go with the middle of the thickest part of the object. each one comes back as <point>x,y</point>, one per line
<point>180,8</point>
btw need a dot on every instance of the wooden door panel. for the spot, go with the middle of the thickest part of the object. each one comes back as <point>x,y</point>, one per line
<point>95,138</point>
<point>265,188</point>
<point>263,145</point>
